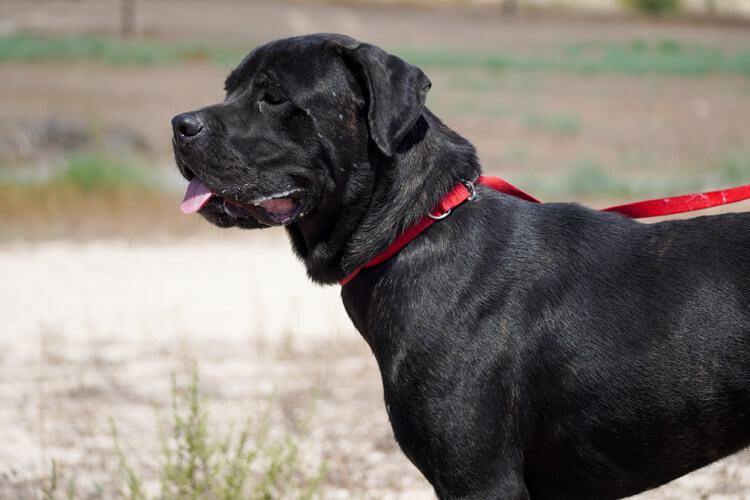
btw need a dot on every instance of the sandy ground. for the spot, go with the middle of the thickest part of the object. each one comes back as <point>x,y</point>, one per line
<point>92,327</point>
<point>92,331</point>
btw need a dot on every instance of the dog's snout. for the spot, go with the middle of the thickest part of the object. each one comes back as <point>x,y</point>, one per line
<point>187,125</point>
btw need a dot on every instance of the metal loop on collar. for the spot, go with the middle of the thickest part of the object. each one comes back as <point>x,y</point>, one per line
<point>472,196</point>
<point>439,217</point>
<point>472,192</point>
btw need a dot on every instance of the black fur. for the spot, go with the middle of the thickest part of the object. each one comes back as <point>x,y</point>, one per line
<point>526,350</point>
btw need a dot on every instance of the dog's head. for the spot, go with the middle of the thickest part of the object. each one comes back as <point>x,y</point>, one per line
<point>300,118</point>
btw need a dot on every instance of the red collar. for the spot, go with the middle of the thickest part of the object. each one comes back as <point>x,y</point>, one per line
<point>464,191</point>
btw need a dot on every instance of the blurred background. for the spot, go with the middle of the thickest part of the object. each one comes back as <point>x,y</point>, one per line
<point>108,293</point>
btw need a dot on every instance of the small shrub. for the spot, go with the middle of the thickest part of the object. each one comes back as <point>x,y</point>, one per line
<point>653,7</point>
<point>93,172</point>
<point>31,47</point>
<point>588,178</point>
<point>196,465</point>
<point>52,490</point>
<point>558,123</point>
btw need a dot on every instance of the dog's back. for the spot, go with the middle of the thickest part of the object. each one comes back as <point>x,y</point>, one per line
<point>614,355</point>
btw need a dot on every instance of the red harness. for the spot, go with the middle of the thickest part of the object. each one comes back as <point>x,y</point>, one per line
<point>464,191</point>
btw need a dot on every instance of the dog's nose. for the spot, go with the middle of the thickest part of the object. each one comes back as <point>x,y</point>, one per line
<point>186,125</point>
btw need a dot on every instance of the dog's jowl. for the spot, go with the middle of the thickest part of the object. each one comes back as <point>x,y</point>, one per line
<point>526,350</point>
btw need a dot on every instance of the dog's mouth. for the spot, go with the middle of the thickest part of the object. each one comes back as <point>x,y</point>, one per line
<point>281,209</point>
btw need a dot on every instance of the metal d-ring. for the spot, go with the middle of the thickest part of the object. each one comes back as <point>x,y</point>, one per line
<point>472,196</point>
<point>439,217</point>
<point>470,188</point>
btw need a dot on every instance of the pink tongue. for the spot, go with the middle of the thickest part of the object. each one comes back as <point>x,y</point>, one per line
<point>196,196</point>
<point>279,206</point>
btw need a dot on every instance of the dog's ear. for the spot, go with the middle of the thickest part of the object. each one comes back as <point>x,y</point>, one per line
<point>396,92</point>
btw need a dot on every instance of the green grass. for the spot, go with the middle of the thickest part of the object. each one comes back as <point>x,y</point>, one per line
<point>97,172</point>
<point>590,179</point>
<point>32,48</point>
<point>560,123</point>
<point>731,169</point>
<point>87,173</point>
<point>91,194</point>
<point>468,107</point>
<point>636,57</point>
<point>653,7</point>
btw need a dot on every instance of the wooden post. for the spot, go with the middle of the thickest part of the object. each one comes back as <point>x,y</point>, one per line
<point>710,7</point>
<point>127,17</point>
<point>510,7</point>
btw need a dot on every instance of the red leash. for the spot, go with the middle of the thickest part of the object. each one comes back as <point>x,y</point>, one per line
<point>464,191</point>
<point>681,204</point>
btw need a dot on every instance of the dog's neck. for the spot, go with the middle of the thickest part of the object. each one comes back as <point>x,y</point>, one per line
<point>392,194</point>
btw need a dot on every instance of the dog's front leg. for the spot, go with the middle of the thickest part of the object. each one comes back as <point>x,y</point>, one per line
<point>509,487</point>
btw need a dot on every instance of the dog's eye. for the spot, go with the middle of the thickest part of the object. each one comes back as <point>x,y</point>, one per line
<point>272,99</point>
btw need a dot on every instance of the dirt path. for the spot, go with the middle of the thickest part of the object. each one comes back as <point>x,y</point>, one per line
<point>112,320</point>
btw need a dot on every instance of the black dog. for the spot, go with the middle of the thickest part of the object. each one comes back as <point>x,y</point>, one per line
<point>526,350</point>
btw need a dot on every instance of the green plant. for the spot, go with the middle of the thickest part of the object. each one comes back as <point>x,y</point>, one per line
<point>734,167</point>
<point>90,172</point>
<point>28,47</point>
<point>251,464</point>
<point>653,7</point>
<point>636,178</point>
<point>636,57</point>
<point>589,178</point>
<point>128,474</point>
<point>564,123</point>
<point>51,490</point>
